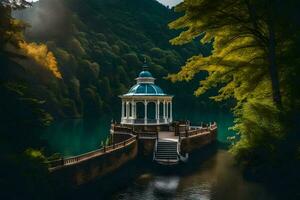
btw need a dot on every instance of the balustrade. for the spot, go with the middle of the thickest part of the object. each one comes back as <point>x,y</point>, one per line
<point>98,152</point>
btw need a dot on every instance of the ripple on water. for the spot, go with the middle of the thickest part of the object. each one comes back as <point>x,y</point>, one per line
<point>196,192</point>
<point>165,184</point>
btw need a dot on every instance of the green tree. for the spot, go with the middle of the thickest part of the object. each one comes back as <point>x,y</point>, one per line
<point>251,62</point>
<point>247,36</point>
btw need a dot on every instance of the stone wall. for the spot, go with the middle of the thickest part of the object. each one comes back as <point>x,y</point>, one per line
<point>146,146</point>
<point>197,141</point>
<point>88,170</point>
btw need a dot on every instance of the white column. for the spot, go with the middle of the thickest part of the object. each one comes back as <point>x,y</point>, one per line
<point>122,117</point>
<point>157,114</point>
<point>171,112</point>
<point>165,110</point>
<point>156,111</point>
<point>133,110</point>
<point>145,119</point>
<point>127,109</point>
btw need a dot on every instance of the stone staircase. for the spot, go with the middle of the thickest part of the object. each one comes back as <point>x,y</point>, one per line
<point>166,152</point>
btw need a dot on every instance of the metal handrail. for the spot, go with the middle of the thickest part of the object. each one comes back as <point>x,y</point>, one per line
<point>155,149</point>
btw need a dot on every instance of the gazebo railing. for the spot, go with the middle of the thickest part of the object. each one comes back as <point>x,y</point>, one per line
<point>128,121</point>
<point>139,121</point>
<point>143,121</point>
<point>151,121</point>
<point>161,120</point>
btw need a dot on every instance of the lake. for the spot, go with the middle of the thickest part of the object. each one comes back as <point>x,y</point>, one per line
<point>210,173</point>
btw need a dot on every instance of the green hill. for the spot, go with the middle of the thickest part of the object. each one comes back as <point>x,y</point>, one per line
<point>100,46</point>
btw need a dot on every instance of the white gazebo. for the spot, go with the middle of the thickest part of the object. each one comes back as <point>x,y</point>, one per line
<point>146,103</point>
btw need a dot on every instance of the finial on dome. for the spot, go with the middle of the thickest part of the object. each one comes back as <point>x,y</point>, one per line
<point>145,66</point>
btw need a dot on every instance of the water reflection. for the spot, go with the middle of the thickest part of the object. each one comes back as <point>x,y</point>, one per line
<point>165,184</point>
<point>216,178</point>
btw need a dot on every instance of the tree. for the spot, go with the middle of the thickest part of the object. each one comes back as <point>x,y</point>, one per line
<point>10,28</point>
<point>247,38</point>
<point>252,61</point>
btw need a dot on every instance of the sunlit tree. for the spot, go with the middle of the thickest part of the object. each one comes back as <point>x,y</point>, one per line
<point>248,36</point>
<point>253,57</point>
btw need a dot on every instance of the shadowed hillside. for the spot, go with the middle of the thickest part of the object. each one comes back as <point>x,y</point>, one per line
<point>100,47</point>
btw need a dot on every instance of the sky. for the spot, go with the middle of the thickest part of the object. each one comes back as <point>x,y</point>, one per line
<point>170,3</point>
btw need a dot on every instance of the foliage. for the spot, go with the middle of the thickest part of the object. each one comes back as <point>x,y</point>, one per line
<point>25,176</point>
<point>101,46</point>
<point>22,110</point>
<point>251,62</point>
<point>42,56</point>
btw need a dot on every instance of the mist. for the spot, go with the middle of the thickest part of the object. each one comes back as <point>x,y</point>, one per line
<point>48,20</point>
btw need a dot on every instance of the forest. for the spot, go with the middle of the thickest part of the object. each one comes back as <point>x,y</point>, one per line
<point>72,58</point>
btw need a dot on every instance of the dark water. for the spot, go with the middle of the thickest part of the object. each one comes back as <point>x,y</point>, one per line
<point>210,173</point>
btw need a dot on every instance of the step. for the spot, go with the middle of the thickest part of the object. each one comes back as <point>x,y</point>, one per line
<point>167,146</point>
<point>167,157</point>
<point>169,153</point>
<point>164,142</point>
<point>159,145</point>
<point>156,155</point>
<point>173,154</point>
<point>166,152</point>
<point>167,143</point>
<point>166,149</point>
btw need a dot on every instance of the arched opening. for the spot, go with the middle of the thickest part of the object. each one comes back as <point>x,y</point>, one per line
<point>161,110</point>
<point>129,110</point>
<point>125,110</point>
<point>151,111</point>
<point>140,111</point>
<point>169,110</point>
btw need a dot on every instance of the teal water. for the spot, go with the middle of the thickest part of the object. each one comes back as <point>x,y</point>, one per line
<point>209,174</point>
<point>77,136</point>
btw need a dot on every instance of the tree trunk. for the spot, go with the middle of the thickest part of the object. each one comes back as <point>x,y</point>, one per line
<point>273,69</point>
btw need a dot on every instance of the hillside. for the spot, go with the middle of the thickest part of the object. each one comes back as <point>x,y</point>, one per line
<point>100,46</point>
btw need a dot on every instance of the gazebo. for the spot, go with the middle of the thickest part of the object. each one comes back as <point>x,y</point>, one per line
<point>146,103</point>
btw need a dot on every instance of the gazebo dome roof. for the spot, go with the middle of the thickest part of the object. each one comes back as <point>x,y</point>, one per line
<point>145,89</point>
<point>145,74</point>
<point>145,85</point>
